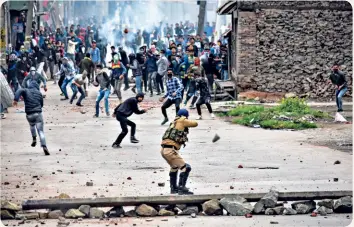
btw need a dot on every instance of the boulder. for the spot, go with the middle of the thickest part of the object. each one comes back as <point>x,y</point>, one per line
<point>96,213</point>
<point>267,201</point>
<point>164,212</point>
<point>27,216</point>
<point>7,205</point>
<point>55,214</point>
<point>269,211</point>
<point>329,203</point>
<point>115,212</point>
<point>289,211</point>
<point>190,210</point>
<point>6,214</point>
<point>43,215</point>
<point>74,213</point>
<point>130,213</point>
<point>324,211</point>
<point>146,211</point>
<point>236,206</point>
<point>85,209</point>
<point>279,210</point>
<point>212,207</point>
<point>343,205</point>
<point>64,196</point>
<point>304,207</point>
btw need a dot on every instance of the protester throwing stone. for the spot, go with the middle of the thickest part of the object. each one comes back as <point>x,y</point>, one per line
<point>122,112</point>
<point>33,107</point>
<point>174,137</point>
<point>173,94</point>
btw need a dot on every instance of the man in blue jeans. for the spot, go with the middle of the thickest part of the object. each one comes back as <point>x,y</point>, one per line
<point>68,69</point>
<point>338,79</point>
<point>103,80</point>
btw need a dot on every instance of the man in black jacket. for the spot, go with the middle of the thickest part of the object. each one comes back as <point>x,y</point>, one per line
<point>125,61</point>
<point>122,112</point>
<point>33,107</point>
<point>337,78</point>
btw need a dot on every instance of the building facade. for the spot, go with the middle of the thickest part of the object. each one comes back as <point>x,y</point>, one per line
<point>290,46</point>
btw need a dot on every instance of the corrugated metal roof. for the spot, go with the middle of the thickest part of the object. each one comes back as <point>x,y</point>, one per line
<point>227,8</point>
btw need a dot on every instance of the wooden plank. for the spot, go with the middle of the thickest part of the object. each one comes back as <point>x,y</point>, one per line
<point>173,199</point>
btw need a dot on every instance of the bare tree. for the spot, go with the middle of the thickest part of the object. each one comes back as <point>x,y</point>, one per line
<point>201,17</point>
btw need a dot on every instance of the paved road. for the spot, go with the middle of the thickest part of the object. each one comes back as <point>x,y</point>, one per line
<point>81,151</point>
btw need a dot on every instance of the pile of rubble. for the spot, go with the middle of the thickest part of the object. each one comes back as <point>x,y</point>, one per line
<point>234,206</point>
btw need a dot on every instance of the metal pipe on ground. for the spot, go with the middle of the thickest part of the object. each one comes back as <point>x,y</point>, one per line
<point>173,199</point>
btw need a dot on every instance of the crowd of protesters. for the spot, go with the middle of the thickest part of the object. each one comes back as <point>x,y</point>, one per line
<point>75,56</point>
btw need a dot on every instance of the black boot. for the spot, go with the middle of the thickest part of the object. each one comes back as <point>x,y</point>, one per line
<point>34,141</point>
<point>182,190</point>
<point>173,182</point>
<point>45,150</point>
<point>133,139</point>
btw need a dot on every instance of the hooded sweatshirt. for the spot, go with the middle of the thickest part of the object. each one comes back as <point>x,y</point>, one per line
<point>32,97</point>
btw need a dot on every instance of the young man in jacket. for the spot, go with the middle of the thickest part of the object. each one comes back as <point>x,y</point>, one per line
<point>33,107</point>
<point>173,94</point>
<point>34,76</point>
<point>122,112</point>
<point>103,81</point>
<point>162,66</point>
<point>118,73</point>
<point>67,68</point>
<point>151,68</point>
<point>338,79</point>
<point>172,140</point>
<point>86,67</point>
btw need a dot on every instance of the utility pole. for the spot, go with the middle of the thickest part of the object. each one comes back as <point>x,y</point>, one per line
<point>29,20</point>
<point>201,17</point>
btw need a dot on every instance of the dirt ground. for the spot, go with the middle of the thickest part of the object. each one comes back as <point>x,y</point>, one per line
<point>81,151</point>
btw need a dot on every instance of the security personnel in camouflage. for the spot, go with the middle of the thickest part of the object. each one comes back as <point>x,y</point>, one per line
<point>174,137</point>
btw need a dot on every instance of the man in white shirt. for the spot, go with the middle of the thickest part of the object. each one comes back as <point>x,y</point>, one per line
<point>71,49</point>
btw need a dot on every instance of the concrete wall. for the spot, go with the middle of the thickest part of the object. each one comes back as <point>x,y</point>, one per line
<point>293,50</point>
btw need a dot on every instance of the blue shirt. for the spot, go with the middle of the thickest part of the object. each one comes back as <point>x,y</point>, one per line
<point>95,55</point>
<point>173,85</point>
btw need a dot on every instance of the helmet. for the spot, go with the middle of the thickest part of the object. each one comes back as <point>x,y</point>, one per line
<point>183,112</point>
<point>32,69</point>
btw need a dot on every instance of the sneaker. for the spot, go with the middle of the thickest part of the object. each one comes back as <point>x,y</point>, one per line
<point>116,145</point>
<point>199,117</point>
<point>3,116</point>
<point>158,93</point>
<point>62,94</point>
<point>133,90</point>
<point>191,107</point>
<point>71,102</point>
<point>120,101</point>
<point>79,104</point>
<point>151,94</point>
<point>126,88</point>
<point>107,114</point>
<point>63,99</point>
<point>45,149</point>
<point>133,140</point>
<point>164,121</point>
<point>212,116</point>
<point>340,110</point>
<point>95,116</point>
